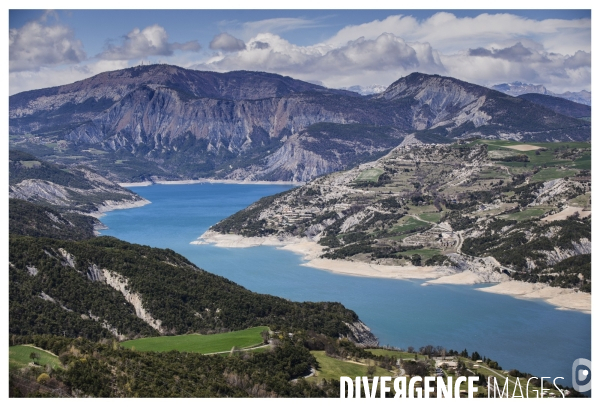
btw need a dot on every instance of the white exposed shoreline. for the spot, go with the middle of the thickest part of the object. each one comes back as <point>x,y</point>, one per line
<point>562,298</point>
<point>108,206</point>
<point>207,181</point>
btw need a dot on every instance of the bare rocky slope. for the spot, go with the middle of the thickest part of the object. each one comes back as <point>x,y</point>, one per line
<point>167,122</point>
<point>75,189</point>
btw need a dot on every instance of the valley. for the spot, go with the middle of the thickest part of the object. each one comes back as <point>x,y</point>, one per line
<point>431,179</point>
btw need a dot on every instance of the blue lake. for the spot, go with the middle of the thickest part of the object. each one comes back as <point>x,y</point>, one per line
<point>528,335</point>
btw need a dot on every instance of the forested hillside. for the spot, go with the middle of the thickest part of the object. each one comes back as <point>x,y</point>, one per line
<point>29,219</point>
<point>103,287</point>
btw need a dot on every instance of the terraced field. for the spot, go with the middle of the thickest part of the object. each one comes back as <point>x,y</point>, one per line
<point>370,175</point>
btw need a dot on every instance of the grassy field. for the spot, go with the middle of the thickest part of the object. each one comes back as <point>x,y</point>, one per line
<point>199,343</point>
<point>425,254</point>
<point>31,164</point>
<point>493,173</point>
<point>431,217</point>
<point>95,151</point>
<point>370,175</point>
<point>526,214</point>
<point>582,201</point>
<point>408,223</point>
<point>500,147</point>
<point>395,353</point>
<point>503,143</point>
<point>548,174</point>
<point>584,162</point>
<point>330,368</point>
<point>18,357</point>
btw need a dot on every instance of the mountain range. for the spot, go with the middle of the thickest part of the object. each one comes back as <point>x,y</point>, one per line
<point>519,88</point>
<point>166,122</point>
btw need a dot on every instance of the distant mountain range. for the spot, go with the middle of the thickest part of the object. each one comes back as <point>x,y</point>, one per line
<point>366,90</point>
<point>519,88</point>
<point>166,122</point>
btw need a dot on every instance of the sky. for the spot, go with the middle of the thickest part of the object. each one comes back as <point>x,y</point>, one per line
<point>335,48</point>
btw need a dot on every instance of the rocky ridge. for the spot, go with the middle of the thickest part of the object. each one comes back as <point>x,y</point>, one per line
<point>257,126</point>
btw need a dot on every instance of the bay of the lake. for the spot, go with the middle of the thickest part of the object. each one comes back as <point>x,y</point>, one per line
<point>528,335</point>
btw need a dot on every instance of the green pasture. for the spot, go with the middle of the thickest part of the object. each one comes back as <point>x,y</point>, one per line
<point>431,216</point>
<point>547,174</point>
<point>425,254</point>
<point>331,368</point>
<point>18,357</point>
<point>31,164</point>
<point>395,354</point>
<point>370,175</point>
<point>408,223</point>
<point>199,343</point>
<point>526,214</point>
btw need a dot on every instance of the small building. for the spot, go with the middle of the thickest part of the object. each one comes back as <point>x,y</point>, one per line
<point>450,363</point>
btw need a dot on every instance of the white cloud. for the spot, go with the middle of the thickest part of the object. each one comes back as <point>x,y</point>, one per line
<point>557,72</point>
<point>227,43</point>
<point>151,41</point>
<point>386,58</point>
<point>275,26</point>
<point>37,45</point>
<point>486,50</point>
<point>448,33</point>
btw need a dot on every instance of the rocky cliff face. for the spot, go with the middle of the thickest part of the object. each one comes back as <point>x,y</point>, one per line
<point>71,189</point>
<point>240,124</point>
<point>121,284</point>
<point>361,334</point>
<point>459,109</point>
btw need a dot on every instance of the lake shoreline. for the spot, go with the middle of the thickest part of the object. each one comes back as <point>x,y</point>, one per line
<point>109,206</point>
<point>206,181</point>
<point>561,298</point>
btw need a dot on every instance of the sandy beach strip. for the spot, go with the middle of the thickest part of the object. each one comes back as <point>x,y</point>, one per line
<point>206,181</point>
<point>357,269</point>
<point>226,181</point>
<point>562,298</point>
<point>135,184</point>
<point>231,240</point>
<point>463,278</point>
<point>108,206</point>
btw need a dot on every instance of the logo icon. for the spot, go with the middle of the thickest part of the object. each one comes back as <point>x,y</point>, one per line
<point>582,375</point>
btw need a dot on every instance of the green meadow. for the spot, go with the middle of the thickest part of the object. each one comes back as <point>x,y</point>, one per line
<point>331,368</point>
<point>370,175</point>
<point>199,343</point>
<point>18,357</point>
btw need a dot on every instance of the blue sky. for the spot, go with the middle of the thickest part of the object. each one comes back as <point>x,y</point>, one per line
<point>334,47</point>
